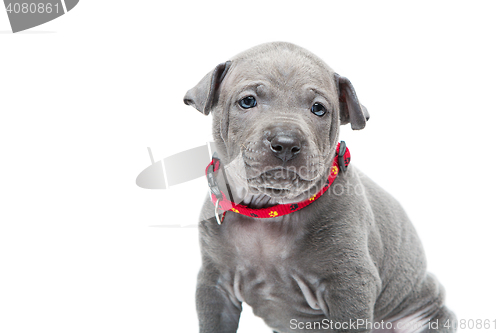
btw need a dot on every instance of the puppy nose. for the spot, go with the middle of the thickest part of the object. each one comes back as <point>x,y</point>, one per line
<point>285,147</point>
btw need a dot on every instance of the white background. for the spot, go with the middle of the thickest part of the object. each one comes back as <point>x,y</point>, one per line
<point>82,97</point>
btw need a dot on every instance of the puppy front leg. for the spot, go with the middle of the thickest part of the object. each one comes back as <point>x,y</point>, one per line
<point>217,312</point>
<point>350,302</point>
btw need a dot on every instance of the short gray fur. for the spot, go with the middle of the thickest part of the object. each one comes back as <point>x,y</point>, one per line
<point>352,254</point>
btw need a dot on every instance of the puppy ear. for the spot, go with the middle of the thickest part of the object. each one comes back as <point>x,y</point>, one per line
<point>351,111</point>
<point>204,94</point>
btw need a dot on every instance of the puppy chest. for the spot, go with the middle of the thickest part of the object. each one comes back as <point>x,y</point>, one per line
<point>268,271</point>
<point>261,243</point>
<point>278,292</point>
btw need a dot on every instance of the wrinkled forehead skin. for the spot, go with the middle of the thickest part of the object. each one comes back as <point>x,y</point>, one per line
<point>285,66</point>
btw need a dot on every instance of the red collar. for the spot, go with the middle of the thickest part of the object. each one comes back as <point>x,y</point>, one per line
<point>219,198</point>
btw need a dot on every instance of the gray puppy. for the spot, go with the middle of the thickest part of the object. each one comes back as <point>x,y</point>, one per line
<point>349,262</point>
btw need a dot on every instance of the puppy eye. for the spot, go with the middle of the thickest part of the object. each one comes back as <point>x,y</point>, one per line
<point>318,109</point>
<point>248,102</point>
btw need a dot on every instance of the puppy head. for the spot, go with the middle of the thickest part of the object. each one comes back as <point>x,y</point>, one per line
<point>276,112</point>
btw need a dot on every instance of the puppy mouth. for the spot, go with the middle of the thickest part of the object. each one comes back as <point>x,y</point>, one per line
<point>279,182</point>
<point>284,181</point>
